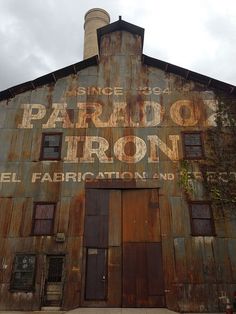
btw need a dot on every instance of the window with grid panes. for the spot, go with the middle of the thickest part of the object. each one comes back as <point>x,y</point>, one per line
<point>201,219</point>
<point>23,272</point>
<point>43,219</point>
<point>51,146</point>
<point>192,145</point>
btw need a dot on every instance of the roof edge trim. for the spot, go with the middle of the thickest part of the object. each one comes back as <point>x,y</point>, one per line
<point>189,75</point>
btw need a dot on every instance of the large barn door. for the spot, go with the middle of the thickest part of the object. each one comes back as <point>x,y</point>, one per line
<point>143,283</point>
<point>122,245</point>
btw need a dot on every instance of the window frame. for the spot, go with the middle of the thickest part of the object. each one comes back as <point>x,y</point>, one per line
<point>42,157</point>
<point>201,145</point>
<point>33,219</point>
<point>31,288</point>
<point>211,219</point>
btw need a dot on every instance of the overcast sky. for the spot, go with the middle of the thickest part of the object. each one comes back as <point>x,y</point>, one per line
<point>40,36</point>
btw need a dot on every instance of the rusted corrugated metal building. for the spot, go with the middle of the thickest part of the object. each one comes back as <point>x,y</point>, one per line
<point>118,184</point>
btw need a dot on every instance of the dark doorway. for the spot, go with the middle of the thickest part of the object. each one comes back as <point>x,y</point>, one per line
<point>53,288</point>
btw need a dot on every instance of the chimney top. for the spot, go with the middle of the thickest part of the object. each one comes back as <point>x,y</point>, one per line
<point>93,19</point>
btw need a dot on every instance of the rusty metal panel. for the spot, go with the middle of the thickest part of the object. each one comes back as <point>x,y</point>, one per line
<point>76,214</point>
<point>209,261</point>
<point>96,231</point>
<point>114,276</point>
<point>63,214</point>
<point>180,259</point>
<point>141,221</point>
<point>179,215</point>
<point>142,275</point>
<point>129,275</point>
<point>5,212</point>
<point>223,262</point>
<point>115,212</point>
<point>3,113</point>
<point>5,137</point>
<point>16,217</point>
<point>155,270</point>
<point>196,247</point>
<point>232,257</point>
<point>96,218</point>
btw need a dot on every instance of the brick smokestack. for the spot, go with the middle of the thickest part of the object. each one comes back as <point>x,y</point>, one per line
<point>93,19</point>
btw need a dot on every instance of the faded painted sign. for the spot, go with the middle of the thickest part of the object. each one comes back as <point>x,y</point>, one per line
<point>183,113</point>
<point>150,114</point>
<point>41,177</point>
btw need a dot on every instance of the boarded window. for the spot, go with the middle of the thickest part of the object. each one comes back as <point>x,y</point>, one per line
<point>192,143</point>
<point>43,218</point>
<point>201,219</point>
<point>51,146</point>
<point>23,272</point>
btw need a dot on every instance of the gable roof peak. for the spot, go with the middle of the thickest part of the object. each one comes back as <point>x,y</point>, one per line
<point>120,25</point>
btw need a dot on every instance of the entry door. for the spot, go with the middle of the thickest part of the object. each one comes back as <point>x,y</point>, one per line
<point>53,289</point>
<point>96,274</point>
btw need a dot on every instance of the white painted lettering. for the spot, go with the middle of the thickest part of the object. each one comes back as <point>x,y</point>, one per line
<point>84,114</point>
<point>58,177</point>
<point>31,112</point>
<point>72,148</point>
<point>59,114</point>
<point>5,177</point>
<point>89,150</point>
<point>184,113</point>
<point>15,178</point>
<point>152,114</point>
<point>71,176</point>
<point>120,151</point>
<point>36,176</point>
<point>171,153</point>
<point>46,177</point>
<point>87,176</point>
<point>119,116</point>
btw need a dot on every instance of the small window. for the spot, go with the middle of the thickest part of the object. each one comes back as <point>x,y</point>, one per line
<point>43,219</point>
<point>23,272</point>
<point>192,144</point>
<point>51,146</point>
<point>201,219</point>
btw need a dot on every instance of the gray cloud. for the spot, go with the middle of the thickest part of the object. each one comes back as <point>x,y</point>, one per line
<point>41,36</point>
